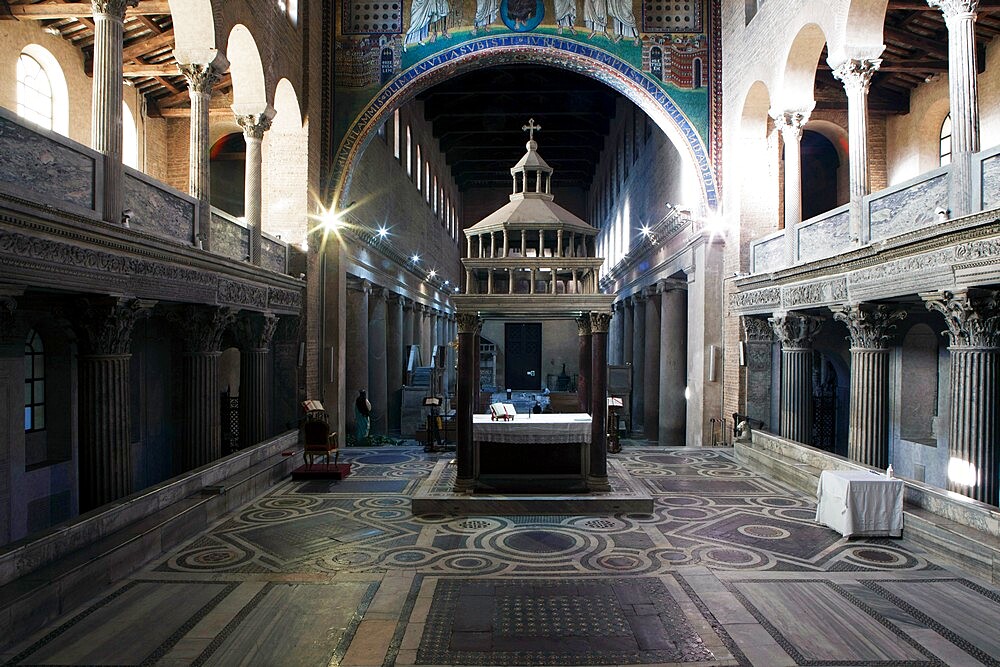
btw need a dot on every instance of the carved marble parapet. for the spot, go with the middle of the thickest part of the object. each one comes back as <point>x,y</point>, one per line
<point>583,325</point>
<point>795,330</point>
<point>870,327</point>
<point>757,330</point>
<point>972,316</point>
<point>254,331</point>
<point>202,327</point>
<point>469,323</point>
<point>600,322</point>
<point>106,324</point>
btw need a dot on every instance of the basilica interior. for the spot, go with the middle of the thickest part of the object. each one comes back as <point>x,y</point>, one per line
<point>715,254</point>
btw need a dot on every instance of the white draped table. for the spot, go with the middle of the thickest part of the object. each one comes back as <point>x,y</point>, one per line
<point>537,452</point>
<point>857,502</point>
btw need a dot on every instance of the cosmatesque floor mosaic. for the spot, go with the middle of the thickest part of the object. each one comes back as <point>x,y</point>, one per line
<point>730,569</point>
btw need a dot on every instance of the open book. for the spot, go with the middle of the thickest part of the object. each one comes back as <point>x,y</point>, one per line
<point>504,411</point>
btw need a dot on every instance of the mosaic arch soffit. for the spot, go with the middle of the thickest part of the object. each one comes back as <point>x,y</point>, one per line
<point>534,49</point>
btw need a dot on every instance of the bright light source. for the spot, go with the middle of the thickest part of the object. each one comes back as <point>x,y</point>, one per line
<point>415,258</point>
<point>962,473</point>
<point>646,231</point>
<point>447,282</point>
<point>432,273</point>
<point>456,290</point>
<point>383,232</point>
<point>687,393</point>
<point>331,221</point>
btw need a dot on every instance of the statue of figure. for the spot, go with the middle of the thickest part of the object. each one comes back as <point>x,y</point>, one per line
<point>566,15</point>
<point>362,418</point>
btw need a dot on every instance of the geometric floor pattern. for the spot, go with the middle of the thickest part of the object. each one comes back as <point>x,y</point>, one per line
<point>729,569</point>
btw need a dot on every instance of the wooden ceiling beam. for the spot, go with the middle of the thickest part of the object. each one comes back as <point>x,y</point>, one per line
<point>76,10</point>
<point>151,70</point>
<point>148,45</point>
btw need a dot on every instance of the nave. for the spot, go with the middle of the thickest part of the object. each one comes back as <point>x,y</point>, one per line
<point>730,569</point>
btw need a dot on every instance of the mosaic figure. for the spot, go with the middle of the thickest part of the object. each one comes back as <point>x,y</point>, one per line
<point>426,18</point>
<point>595,17</point>
<point>620,11</point>
<point>520,12</point>
<point>486,13</point>
<point>566,15</point>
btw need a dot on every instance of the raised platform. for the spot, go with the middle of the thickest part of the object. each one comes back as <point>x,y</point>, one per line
<point>435,495</point>
<point>322,471</point>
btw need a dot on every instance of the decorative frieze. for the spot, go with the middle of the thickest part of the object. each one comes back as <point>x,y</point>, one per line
<point>242,294</point>
<point>975,250</point>
<point>870,327</point>
<point>768,296</point>
<point>284,299</point>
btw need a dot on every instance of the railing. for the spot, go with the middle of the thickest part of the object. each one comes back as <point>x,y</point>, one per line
<point>158,210</point>
<point>918,203</point>
<point>230,236</point>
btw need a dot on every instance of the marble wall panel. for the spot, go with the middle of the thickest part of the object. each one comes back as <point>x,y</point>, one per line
<point>229,239</point>
<point>908,209</point>
<point>158,212</point>
<point>37,167</point>
<point>991,182</point>
<point>272,255</point>
<point>824,238</point>
<point>769,255</point>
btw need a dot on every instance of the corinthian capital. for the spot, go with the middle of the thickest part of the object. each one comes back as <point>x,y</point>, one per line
<point>106,324</point>
<point>114,8</point>
<point>795,330</point>
<point>200,77</point>
<point>583,325</point>
<point>870,327</point>
<point>255,124</point>
<point>600,322</point>
<point>972,316</point>
<point>790,123</point>
<point>955,8</point>
<point>469,323</point>
<point>856,73</point>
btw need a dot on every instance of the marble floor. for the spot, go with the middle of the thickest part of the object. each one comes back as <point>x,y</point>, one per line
<point>730,569</point>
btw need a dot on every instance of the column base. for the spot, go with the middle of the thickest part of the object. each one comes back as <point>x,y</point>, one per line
<point>598,483</point>
<point>466,486</point>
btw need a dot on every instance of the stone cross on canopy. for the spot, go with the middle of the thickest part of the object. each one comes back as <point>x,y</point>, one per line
<point>531,127</point>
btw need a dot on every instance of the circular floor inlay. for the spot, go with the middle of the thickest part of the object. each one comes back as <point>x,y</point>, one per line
<point>764,532</point>
<point>688,513</point>
<point>539,542</point>
<point>730,556</point>
<point>383,458</point>
<point>876,556</point>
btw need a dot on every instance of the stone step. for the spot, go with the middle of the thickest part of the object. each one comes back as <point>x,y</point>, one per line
<point>952,544</point>
<point>800,476</point>
<point>53,589</point>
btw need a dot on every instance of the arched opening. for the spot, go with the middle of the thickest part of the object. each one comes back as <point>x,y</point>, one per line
<point>249,91</point>
<point>944,154</point>
<point>285,185</point>
<point>130,138</point>
<point>820,167</point>
<point>228,168</point>
<point>656,62</point>
<point>42,93</point>
<point>696,69</point>
<point>388,67</point>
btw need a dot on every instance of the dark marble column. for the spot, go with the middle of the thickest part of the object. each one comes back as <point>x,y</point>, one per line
<point>254,332</point>
<point>673,363</point>
<point>758,337</point>
<point>394,358</point>
<point>627,331</point>
<point>378,393</point>
<point>616,352</point>
<point>638,362</point>
<point>469,326</point>
<point>417,335</point>
<point>202,328</point>
<point>796,332</point>
<point>651,376</point>
<point>597,479</point>
<point>356,362</point>
<point>871,328</point>
<point>973,318</point>
<point>106,328</point>
<point>584,359</point>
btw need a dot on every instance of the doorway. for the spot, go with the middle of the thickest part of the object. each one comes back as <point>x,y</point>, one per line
<point>523,355</point>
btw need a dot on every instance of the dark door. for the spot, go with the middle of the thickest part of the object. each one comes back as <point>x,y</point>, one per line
<point>523,356</point>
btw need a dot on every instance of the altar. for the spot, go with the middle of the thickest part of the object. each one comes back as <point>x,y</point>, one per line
<point>532,451</point>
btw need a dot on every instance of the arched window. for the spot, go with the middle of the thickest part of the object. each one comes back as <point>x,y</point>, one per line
<point>34,92</point>
<point>130,138</point>
<point>34,383</point>
<point>419,167</point>
<point>395,134</point>
<point>945,149</point>
<point>42,95</point>
<point>409,153</point>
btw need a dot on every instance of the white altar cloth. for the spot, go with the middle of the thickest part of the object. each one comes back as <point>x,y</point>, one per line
<point>857,502</point>
<point>533,429</point>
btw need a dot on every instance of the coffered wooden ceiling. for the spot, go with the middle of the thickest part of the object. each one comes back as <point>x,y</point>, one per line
<point>149,41</point>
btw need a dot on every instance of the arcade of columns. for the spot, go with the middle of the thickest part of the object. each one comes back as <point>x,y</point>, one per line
<point>107,323</point>
<point>972,316</point>
<point>381,325</point>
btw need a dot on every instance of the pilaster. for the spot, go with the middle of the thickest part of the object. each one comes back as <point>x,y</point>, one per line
<point>758,337</point>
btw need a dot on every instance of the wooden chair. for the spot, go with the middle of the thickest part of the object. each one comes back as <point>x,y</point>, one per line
<point>318,439</point>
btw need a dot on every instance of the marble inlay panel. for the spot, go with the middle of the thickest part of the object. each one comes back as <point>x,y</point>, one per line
<point>158,212</point>
<point>908,209</point>
<point>36,167</point>
<point>291,622</point>
<point>769,255</point>
<point>152,615</point>
<point>991,182</point>
<point>824,238</point>
<point>818,624</point>
<point>229,239</point>
<point>272,255</point>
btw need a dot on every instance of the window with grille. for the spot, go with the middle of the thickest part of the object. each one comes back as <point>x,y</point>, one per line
<point>945,147</point>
